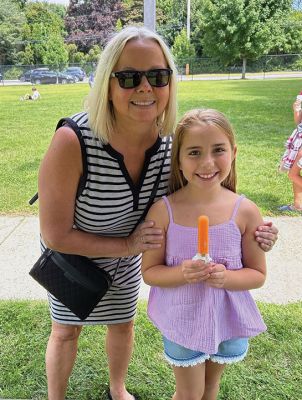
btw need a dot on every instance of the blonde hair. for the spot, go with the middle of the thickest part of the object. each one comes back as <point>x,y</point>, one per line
<point>98,105</point>
<point>190,119</point>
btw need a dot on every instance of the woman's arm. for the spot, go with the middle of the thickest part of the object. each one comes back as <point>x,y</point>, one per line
<point>59,176</point>
<point>266,235</point>
<point>253,274</point>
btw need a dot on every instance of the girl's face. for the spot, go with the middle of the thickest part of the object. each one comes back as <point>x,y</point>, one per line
<point>144,103</point>
<point>206,155</point>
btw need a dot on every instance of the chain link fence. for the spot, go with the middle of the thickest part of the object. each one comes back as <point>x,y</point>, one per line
<point>188,69</point>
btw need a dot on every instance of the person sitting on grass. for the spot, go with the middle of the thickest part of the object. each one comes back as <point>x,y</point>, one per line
<point>291,161</point>
<point>34,96</point>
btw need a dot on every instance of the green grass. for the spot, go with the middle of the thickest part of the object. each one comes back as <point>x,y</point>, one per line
<point>271,371</point>
<point>260,111</point>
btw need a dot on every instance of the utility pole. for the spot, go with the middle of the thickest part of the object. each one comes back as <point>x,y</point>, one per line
<point>188,19</point>
<point>188,30</point>
<point>150,14</point>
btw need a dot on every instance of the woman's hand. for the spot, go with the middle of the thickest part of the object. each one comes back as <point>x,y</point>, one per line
<point>266,236</point>
<point>145,237</point>
<point>195,271</point>
<point>217,277</point>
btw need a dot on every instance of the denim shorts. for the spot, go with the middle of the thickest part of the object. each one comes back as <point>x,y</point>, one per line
<point>229,351</point>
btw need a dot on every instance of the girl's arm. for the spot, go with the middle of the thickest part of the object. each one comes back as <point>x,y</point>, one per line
<point>154,270</point>
<point>59,176</point>
<point>253,274</point>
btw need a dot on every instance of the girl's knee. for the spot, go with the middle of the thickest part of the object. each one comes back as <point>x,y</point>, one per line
<point>64,332</point>
<point>187,395</point>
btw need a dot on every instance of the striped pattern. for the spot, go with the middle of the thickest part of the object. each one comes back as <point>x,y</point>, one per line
<point>110,205</point>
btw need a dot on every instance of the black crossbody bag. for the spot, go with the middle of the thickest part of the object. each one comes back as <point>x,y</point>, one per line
<point>76,281</point>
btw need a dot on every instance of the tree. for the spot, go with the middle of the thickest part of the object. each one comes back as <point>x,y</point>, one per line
<point>171,18</point>
<point>133,12</point>
<point>11,23</point>
<point>90,22</point>
<point>44,32</point>
<point>182,49</point>
<point>291,41</point>
<point>242,29</point>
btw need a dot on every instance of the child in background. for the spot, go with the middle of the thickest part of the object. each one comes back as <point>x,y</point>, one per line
<point>34,96</point>
<point>291,161</point>
<point>204,310</point>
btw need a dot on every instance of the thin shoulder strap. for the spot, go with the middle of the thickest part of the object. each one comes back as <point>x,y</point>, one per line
<point>74,126</point>
<point>237,204</point>
<point>168,205</point>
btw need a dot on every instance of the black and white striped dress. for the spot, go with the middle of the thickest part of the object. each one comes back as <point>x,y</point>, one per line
<point>109,204</point>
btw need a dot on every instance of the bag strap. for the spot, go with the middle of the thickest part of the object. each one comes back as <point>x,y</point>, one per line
<point>155,187</point>
<point>73,273</point>
<point>75,127</point>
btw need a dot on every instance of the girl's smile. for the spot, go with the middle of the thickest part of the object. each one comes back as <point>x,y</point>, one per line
<point>205,155</point>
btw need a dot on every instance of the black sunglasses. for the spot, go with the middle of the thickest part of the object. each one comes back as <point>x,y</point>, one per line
<point>131,79</point>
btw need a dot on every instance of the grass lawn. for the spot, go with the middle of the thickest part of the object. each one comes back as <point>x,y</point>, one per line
<point>259,110</point>
<point>271,371</point>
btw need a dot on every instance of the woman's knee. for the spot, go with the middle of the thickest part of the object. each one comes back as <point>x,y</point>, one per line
<point>62,332</point>
<point>121,329</point>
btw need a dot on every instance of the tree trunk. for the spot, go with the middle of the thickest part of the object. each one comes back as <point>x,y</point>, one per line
<point>243,68</point>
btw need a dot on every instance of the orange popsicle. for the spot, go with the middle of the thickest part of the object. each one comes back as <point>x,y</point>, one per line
<point>203,235</point>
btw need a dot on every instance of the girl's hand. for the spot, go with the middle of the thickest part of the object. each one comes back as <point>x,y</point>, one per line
<point>145,237</point>
<point>217,277</point>
<point>195,271</point>
<point>267,236</point>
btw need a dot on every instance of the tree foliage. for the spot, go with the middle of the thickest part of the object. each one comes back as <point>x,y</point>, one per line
<point>242,29</point>
<point>133,12</point>
<point>43,36</point>
<point>11,22</point>
<point>182,49</point>
<point>91,22</point>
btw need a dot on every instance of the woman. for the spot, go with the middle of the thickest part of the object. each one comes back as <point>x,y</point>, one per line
<point>93,189</point>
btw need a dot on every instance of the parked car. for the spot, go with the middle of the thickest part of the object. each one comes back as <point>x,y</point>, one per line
<point>38,77</point>
<point>77,72</point>
<point>26,76</point>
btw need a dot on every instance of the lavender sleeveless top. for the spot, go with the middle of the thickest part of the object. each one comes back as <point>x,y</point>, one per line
<point>197,316</point>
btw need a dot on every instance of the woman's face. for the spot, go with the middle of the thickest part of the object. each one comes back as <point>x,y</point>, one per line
<point>143,104</point>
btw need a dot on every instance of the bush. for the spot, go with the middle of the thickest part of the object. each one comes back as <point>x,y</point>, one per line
<point>12,73</point>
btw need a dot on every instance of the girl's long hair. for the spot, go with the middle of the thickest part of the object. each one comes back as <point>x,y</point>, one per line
<point>190,119</point>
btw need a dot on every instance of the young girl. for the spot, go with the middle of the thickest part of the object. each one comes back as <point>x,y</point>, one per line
<point>291,161</point>
<point>204,310</point>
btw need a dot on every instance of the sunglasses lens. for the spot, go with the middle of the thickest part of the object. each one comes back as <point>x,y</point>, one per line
<point>159,77</point>
<point>132,79</point>
<point>129,79</point>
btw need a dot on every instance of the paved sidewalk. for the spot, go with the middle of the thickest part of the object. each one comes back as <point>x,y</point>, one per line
<point>19,249</point>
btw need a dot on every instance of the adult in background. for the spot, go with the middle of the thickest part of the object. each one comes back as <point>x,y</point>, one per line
<point>94,187</point>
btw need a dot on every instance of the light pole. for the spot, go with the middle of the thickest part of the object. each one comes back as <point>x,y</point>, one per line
<point>188,30</point>
<point>188,18</point>
<point>150,14</point>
